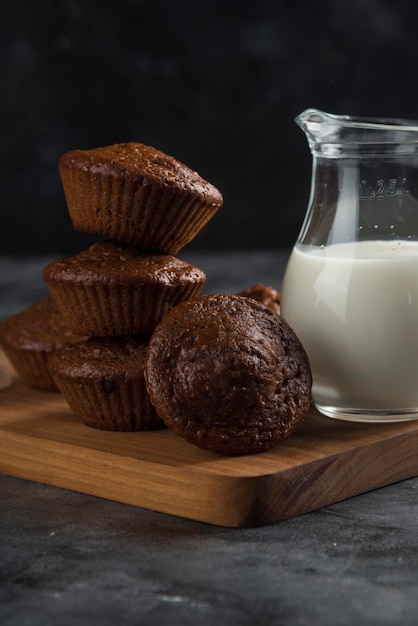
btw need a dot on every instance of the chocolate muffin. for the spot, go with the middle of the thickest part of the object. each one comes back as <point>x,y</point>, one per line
<point>28,337</point>
<point>265,294</point>
<point>102,379</point>
<point>228,374</point>
<point>137,195</point>
<point>115,289</point>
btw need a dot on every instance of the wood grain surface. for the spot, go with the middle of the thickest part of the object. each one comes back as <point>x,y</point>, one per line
<point>324,462</point>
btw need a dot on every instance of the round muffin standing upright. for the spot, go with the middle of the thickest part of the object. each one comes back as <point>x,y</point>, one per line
<point>136,194</point>
<point>114,289</point>
<point>228,374</point>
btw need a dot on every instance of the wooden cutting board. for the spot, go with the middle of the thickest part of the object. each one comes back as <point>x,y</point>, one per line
<point>324,462</point>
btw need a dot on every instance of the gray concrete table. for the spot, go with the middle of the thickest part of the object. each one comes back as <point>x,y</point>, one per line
<point>71,559</point>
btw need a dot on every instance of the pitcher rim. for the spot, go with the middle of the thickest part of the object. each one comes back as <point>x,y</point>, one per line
<point>355,121</point>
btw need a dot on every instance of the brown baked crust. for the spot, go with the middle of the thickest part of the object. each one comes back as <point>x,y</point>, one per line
<point>102,379</point>
<point>265,294</point>
<point>111,262</point>
<point>228,374</point>
<point>137,194</point>
<point>144,163</point>
<point>115,289</point>
<point>29,336</point>
<point>39,327</point>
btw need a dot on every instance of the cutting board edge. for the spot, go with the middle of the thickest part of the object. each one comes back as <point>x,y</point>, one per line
<point>231,501</point>
<point>218,499</point>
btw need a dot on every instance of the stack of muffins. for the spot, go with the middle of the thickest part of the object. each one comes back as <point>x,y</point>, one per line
<point>146,206</point>
<point>125,336</point>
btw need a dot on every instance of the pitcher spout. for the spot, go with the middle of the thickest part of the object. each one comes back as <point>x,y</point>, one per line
<point>341,135</point>
<point>319,126</point>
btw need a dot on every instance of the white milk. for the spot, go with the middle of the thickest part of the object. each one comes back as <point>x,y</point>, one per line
<point>354,306</point>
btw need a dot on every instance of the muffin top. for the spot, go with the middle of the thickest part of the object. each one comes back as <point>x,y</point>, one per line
<point>112,262</point>
<point>101,358</point>
<point>228,374</point>
<point>135,160</point>
<point>263,293</point>
<point>40,327</point>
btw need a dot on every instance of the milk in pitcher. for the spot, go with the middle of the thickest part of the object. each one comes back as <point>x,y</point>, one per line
<point>354,306</point>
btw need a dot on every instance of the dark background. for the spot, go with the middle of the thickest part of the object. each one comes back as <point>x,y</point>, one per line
<point>216,84</point>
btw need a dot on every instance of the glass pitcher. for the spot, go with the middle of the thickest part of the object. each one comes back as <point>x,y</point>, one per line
<point>350,290</point>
